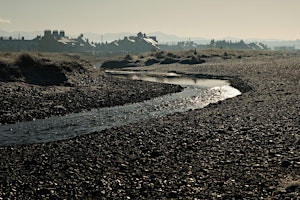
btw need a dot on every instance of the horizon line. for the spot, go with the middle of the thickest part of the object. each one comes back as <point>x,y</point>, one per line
<point>182,37</point>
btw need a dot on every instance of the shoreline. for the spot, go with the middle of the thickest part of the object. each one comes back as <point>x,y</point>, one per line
<point>245,147</point>
<point>47,102</point>
<point>84,88</point>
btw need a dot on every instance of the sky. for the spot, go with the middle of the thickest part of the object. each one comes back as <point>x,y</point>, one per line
<point>260,19</point>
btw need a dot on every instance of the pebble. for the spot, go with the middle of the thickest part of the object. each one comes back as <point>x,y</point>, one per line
<point>199,156</point>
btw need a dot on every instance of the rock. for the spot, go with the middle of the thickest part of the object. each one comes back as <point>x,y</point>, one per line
<point>285,163</point>
<point>169,61</point>
<point>43,191</point>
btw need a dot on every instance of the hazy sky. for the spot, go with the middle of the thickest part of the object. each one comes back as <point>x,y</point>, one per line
<point>261,19</point>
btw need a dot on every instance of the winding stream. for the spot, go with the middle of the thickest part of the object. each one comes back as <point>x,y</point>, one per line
<point>197,93</point>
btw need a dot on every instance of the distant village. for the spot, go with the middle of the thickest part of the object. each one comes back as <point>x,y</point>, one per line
<point>57,41</point>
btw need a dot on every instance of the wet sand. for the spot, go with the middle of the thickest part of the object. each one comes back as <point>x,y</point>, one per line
<point>246,147</point>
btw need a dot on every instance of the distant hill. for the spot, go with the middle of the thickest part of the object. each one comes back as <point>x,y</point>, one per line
<point>169,38</point>
<point>161,37</point>
<point>282,43</point>
<point>106,37</point>
<point>19,34</point>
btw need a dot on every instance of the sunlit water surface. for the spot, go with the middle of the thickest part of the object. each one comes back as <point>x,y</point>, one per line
<point>197,93</point>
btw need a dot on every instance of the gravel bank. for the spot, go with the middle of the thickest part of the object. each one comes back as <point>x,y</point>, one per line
<point>26,94</point>
<point>247,147</point>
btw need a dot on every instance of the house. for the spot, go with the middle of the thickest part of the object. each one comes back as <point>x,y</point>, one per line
<point>57,42</point>
<point>132,44</point>
<point>10,44</point>
<point>51,41</point>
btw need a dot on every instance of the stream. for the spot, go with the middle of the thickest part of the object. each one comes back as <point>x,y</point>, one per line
<point>197,93</point>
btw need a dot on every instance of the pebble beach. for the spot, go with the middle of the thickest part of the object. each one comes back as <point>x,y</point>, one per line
<point>246,147</point>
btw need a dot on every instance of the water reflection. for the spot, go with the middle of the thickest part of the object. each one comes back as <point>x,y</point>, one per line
<point>197,94</point>
<point>170,78</point>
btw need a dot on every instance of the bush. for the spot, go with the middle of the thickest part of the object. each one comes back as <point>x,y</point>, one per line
<point>192,61</point>
<point>160,55</point>
<point>128,57</point>
<point>111,64</point>
<point>171,55</point>
<point>26,60</point>
<point>151,62</point>
<point>168,61</point>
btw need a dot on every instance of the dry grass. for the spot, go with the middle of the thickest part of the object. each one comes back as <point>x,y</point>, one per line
<point>190,57</point>
<point>12,57</point>
<point>41,69</point>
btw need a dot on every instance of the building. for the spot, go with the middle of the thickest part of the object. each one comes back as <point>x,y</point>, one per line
<point>132,44</point>
<point>51,41</point>
<point>10,44</point>
<point>57,41</point>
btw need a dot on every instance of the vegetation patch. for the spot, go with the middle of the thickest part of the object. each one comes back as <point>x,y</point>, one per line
<point>162,57</point>
<point>38,70</point>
